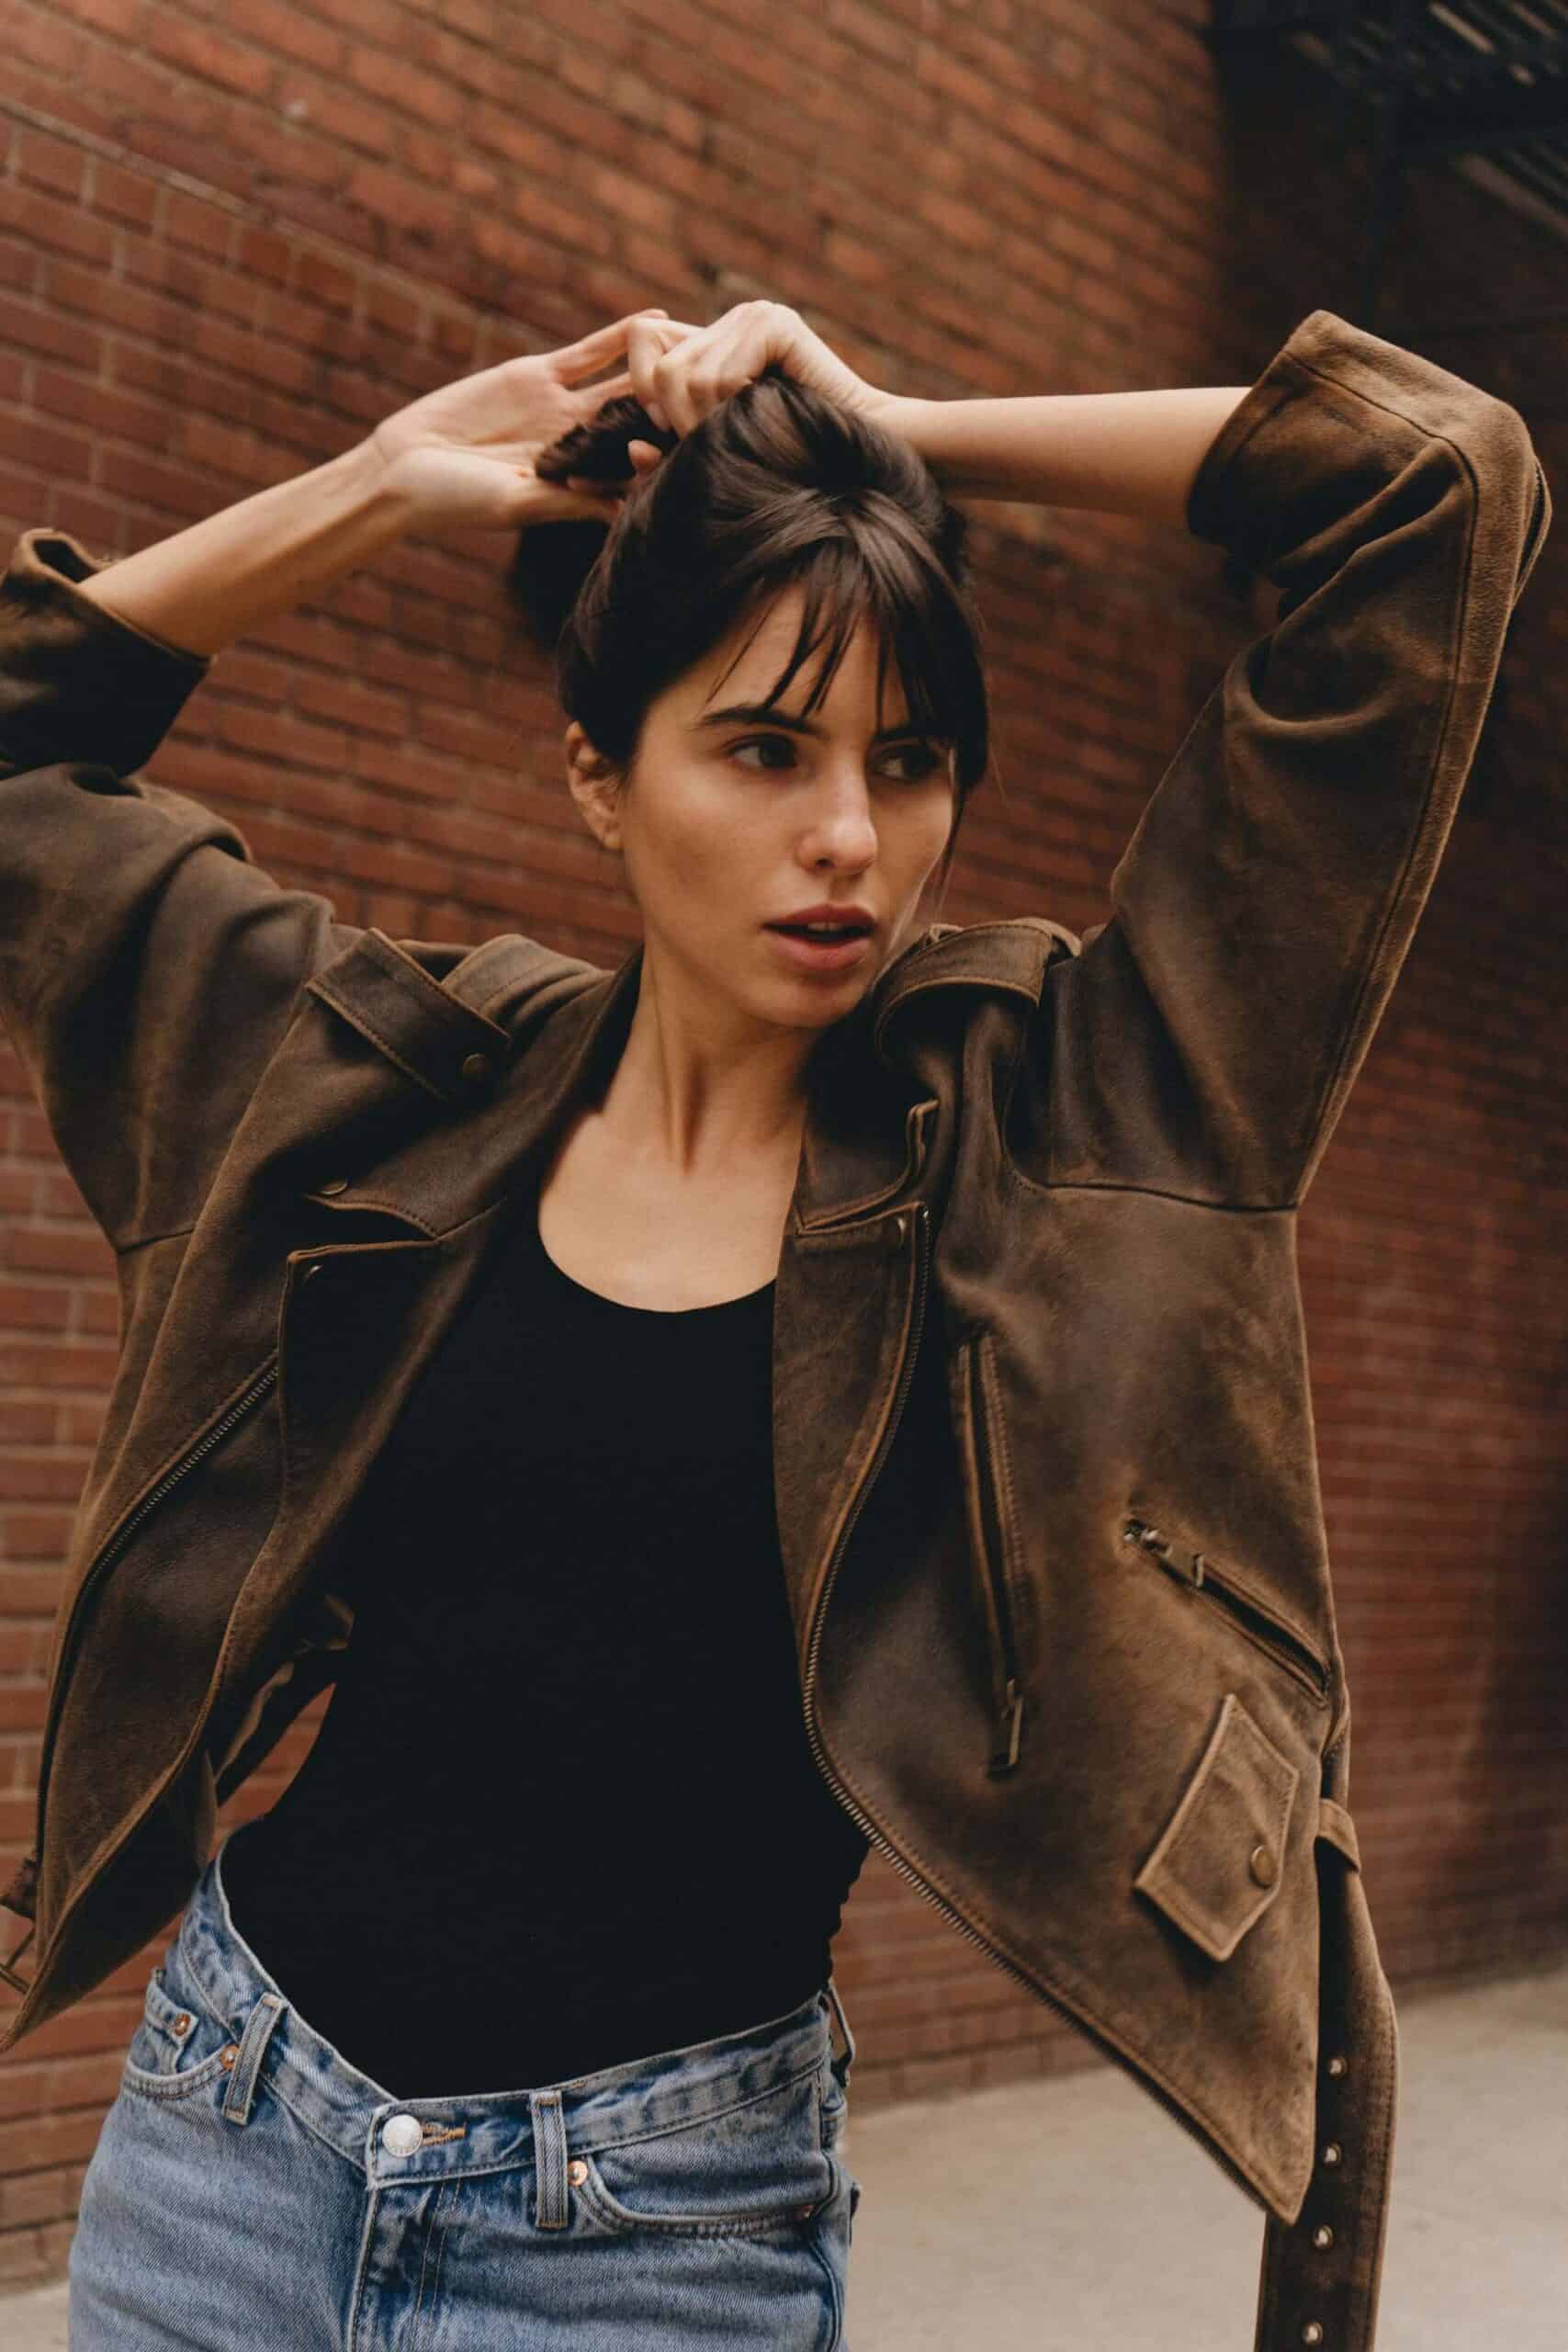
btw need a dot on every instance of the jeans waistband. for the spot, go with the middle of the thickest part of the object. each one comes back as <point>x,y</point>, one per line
<point>481,2130</point>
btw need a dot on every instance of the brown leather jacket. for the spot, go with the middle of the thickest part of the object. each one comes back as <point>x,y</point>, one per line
<point>1098,1717</point>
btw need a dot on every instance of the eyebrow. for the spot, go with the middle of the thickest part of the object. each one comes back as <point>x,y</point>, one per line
<point>763,714</point>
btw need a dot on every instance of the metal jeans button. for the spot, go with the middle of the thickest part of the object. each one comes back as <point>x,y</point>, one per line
<point>402,2134</point>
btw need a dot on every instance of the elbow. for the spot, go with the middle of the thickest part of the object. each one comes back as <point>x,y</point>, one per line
<point>1537,524</point>
<point>1505,459</point>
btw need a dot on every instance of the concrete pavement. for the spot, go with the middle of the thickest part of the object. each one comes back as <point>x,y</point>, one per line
<point>1075,2216</point>
<point>1072,2215</point>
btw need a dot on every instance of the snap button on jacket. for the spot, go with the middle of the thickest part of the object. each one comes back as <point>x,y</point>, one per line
<point>1098,1716</point>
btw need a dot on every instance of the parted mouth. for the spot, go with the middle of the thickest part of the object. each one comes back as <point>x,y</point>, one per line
<point>827,921</point>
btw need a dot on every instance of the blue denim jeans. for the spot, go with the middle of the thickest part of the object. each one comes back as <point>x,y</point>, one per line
<point>251,2190</point>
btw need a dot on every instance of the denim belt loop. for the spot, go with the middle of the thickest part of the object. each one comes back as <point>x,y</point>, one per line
<point>242,2075</point>
<point>549,2160</point>
<point>841,2065</point>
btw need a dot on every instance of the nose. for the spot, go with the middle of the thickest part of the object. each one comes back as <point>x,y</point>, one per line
<point>840,832</point>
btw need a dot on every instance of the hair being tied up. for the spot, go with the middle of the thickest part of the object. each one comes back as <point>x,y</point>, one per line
<point>777,486</point>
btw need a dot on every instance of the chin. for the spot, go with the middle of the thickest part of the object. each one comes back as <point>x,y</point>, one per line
<point>824,1006</point>
<point>808,1004</point>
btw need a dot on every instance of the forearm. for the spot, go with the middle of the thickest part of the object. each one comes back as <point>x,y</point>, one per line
<point>1125,453</point>
<point>209,584</point>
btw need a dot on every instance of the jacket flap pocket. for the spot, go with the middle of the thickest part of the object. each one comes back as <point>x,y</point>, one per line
<point>1218,1866</point>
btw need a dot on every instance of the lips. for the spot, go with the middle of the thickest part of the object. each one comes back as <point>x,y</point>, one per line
<point>827,921</point>
<point>827,931</point>
<point>822,955</point>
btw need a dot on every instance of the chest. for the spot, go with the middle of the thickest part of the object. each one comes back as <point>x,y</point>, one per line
<point>617,1224</point>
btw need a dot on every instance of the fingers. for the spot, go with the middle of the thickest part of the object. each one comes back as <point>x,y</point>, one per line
<point>644,458</point>
<point>592,351</point>
<point>680,378</point>
<point>578,499</point>
<point>652,344</point>
<point>613,388</point>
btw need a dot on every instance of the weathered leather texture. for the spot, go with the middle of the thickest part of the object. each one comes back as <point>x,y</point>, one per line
<point>1098,1714</point>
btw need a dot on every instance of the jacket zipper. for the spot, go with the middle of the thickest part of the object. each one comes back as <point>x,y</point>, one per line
<point>990,1558</point>
<point>873,1831</point>
<point>1198,1573</point>
<point>869,1828</point>
<point>116,1545</point>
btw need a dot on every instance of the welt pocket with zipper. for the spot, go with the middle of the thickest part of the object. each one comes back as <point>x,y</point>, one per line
<point>1229,1589</point>
<point>989,1525</point>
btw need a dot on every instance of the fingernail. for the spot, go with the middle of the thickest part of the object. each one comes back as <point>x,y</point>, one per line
<point>657,415</point>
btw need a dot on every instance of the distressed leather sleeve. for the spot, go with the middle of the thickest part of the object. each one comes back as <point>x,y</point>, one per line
<point>147,966</point>
<point>1204,1040</point>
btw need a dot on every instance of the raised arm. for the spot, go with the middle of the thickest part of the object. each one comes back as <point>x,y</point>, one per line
<point>198,591</point>
<point>1125,453</point>
<point>1204,1040</point>
<point>147,966</point>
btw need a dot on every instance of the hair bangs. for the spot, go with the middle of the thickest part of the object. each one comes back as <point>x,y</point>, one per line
<point>850,578</point>
<point>778,487</point>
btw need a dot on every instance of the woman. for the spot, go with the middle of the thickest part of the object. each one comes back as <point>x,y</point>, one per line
<point>572,2071</point>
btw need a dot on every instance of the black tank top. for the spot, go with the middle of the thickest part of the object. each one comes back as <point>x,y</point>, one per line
<point>561,1810</point>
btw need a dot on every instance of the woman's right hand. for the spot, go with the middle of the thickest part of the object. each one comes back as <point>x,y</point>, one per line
<point>463,455</point>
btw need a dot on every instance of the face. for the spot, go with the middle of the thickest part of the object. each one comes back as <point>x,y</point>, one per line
<point>730,826</point>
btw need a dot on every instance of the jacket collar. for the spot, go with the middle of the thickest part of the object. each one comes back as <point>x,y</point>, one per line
<point>457,1020</point>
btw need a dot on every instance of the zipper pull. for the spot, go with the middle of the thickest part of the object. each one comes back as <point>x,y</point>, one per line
<point>1004,1756</point>
<point>1187,1566</point>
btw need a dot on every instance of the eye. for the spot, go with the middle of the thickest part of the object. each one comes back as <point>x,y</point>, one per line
<point>763,743</point>
<point>926,756</point>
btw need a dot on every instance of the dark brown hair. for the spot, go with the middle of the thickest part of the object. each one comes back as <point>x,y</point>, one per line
<point>777,486</point>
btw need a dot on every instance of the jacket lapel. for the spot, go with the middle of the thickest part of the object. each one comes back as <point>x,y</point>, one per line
<point>510,1037</point>
<point>356,1332</point>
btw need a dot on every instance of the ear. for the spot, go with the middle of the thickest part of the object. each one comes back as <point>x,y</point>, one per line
<point>595,786</point>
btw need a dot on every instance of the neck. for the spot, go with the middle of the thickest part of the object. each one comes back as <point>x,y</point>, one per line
<point>698,1086</point>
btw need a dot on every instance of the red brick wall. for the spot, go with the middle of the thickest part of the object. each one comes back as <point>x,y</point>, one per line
<point>233,237</point>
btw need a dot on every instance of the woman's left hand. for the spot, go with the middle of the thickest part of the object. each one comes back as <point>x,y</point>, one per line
<point>464,454</point>
<point>681,372</point>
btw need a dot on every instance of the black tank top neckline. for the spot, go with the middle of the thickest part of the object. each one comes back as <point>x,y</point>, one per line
<point>563,1796</point>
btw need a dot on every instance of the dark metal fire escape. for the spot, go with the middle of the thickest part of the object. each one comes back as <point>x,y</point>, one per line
<point>1483,83</point>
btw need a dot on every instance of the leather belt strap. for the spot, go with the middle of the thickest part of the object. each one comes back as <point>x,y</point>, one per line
<point>1334,1823</point>
<point>1321,2273</point>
